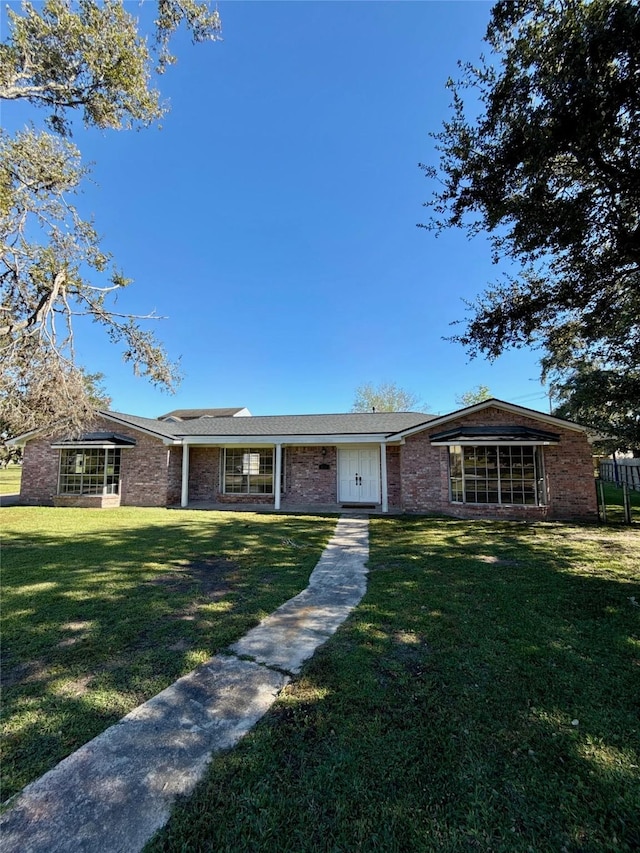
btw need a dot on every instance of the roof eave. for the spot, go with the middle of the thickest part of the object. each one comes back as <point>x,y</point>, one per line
<point>496,404</point>
<point>531,442</point>
<point>291,439</point>
<point>166,439</point>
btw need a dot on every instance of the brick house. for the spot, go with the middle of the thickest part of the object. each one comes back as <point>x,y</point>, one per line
<point>493,459</point>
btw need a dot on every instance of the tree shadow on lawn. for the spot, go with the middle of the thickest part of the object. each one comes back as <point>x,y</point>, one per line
<point>483,696</point>
<point>98,620</point>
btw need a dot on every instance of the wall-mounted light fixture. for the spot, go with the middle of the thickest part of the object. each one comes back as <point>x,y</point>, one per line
<point>324,451</point>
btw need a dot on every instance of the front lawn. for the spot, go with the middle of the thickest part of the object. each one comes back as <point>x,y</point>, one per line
<point>103,609</point>
<point>10,479</point>
<point>483,697</point>
<point>614,502</point>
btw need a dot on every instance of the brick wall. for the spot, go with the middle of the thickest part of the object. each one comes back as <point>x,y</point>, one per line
<point>417,474</point>
<point>174,477</point>
<point>394,483</point>
<point>306,482</point>
<point>88,501</point>
<point>40,468</point>
<point>143,469</point>
<point>568,472</point>
<point>144,472</point>
<point>204,473</point>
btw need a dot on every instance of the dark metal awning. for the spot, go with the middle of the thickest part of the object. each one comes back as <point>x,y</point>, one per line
<point>102,440</point>
<point>503,434</point>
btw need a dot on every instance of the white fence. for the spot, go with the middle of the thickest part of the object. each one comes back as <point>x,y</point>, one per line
<point>621,471</point>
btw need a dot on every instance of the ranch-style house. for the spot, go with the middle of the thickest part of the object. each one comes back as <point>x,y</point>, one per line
<point>490,460</point>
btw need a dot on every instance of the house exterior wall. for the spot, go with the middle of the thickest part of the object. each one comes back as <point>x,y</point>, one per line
<point>204,473</point>
<point>143,470</point>
<point>417,474</point>
<point>568,471</point>
<point>40,468</point>
<point>305,481</point>
<point>394,482</point>
<point>174,476</point>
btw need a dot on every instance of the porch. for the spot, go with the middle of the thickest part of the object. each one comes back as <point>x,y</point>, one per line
<point>289,477</point>
<point>289,508</point>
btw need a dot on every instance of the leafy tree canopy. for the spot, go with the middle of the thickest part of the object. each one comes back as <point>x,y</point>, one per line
<point>546,159</point>
<point>385,397</point>
<point>70,58</point>
<point>604,400</point>
<point>474,395</point>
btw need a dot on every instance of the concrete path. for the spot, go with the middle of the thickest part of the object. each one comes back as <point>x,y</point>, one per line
<point>117,790</point>
<point>9,500</point>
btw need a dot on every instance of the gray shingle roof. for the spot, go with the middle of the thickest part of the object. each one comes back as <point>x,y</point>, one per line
<point>165,429</point>
<point>352,423</point>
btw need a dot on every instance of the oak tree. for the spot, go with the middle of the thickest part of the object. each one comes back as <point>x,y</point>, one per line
<point>83,59</point>
<point>542,153</point>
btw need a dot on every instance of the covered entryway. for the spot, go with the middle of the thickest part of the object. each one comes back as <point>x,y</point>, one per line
<point>359,475</point>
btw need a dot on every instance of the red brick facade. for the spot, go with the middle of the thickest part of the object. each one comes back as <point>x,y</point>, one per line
<point>305,481</point>
<point>417,474</point>
<point>568,471</point>
<point>147,471</point>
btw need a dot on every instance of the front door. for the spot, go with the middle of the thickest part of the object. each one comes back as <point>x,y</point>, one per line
<point>359,475</point>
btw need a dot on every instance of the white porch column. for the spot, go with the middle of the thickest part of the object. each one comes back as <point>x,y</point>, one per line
<point>277,476</point>
<point>184,499</point>
<point>383,477</point>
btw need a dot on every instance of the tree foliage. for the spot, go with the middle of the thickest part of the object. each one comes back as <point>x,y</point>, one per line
<point>602,399</point>
<point>546,160</point>
<point>474,395</point>
<point>67,58</point>
<point>90,56</point>
<point>385,397</point>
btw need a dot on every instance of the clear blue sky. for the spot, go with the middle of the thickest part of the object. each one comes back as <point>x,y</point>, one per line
<point>272,219</point>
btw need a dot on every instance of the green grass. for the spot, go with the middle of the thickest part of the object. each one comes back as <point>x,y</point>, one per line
<point>613,496</point>
<point>483,696</point>
<point>103,609</point>
<point>10,479</point>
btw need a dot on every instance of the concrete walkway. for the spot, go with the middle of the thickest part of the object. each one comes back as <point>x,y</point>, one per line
<point>117,790</point>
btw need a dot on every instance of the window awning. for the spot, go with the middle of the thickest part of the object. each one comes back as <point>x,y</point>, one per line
<point>101,440</point>
<point>503,434</point>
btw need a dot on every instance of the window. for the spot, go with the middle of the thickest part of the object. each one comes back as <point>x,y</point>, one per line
<point>89,471</point>
<point>248,471</point>
<point>496,475</point>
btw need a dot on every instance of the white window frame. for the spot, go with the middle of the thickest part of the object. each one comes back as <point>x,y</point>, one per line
<point>248,453</point>
<point>107,488</point>
<point>538,474</point>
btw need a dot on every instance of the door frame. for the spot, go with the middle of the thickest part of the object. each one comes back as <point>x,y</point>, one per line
<point>374,451</point>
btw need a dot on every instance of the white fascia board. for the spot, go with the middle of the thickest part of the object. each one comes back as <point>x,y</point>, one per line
<point>473,443</point>
<point>292,440</point>
<point>78,445</point>
<point>495,404</point>
<point>22,439</point>
<point>19,440</point>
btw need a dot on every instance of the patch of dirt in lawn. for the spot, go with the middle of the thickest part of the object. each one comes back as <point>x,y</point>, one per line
<point>499,561</point>
<point>26,673</point>
<point>75,688</point>
<point>210,578</point>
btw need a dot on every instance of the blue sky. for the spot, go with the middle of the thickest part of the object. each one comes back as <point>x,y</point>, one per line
<point>272,219</point>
